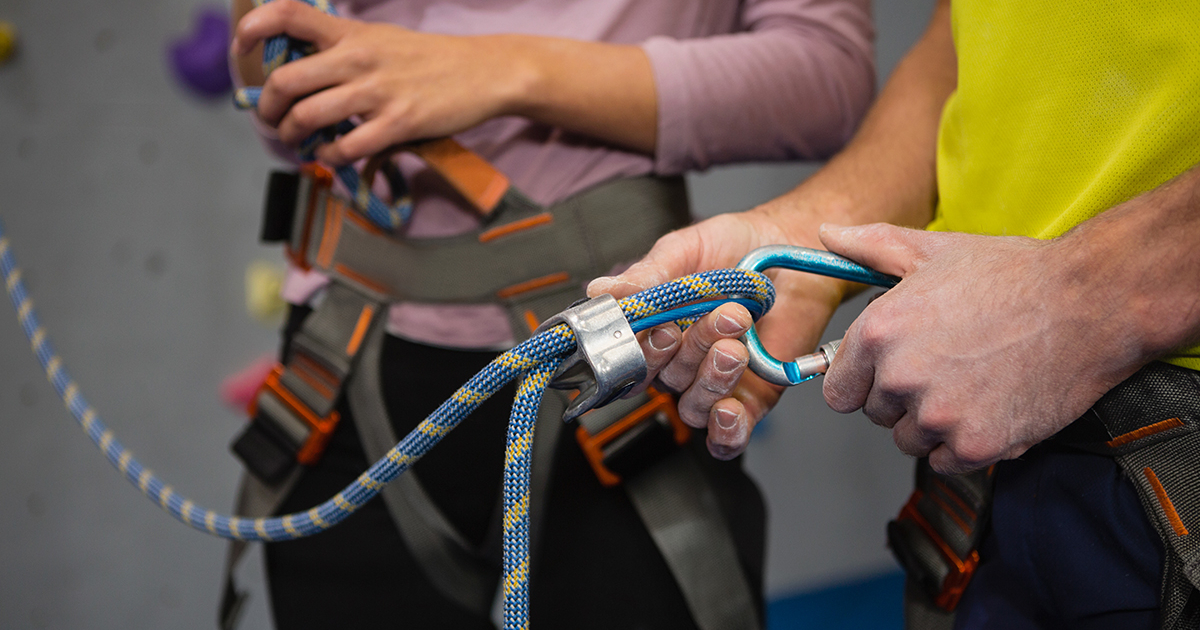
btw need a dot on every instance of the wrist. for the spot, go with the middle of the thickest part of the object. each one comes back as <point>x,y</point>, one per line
<point>520,74</point>
<point>1126,282</point>
<point>523,76</point>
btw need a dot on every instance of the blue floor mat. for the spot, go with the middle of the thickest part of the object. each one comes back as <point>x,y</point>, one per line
<point>874,603</point>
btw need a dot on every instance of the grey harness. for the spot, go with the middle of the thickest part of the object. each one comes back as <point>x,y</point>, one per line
<point>1150,424</point>
<point>534,261</point>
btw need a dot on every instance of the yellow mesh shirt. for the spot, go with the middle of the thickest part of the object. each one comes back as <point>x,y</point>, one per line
<point>1065,109</point>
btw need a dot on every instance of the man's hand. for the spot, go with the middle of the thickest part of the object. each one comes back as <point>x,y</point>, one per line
<point>988,345</point>
<point>706,365</point>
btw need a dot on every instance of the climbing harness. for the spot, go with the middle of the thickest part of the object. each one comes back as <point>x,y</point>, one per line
<point>1149,424</point>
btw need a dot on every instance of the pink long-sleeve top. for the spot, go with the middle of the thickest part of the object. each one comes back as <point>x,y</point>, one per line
<point>753,80</point>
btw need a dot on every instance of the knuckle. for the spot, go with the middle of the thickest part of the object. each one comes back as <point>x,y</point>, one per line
<point>937,418</point>
<point>906,442</point>
<point>303,115</point>
<point>287,10</point>
<point>692,417</point>
<point>973,453</point>
<point>713,386</point>
<point>663,382</point>
<point>877,231</point>
<point>872,332</point>
<point>359,58</point>
<point>281,82</point>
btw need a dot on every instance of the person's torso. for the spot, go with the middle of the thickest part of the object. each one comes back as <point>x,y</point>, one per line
<point>1065,109</point>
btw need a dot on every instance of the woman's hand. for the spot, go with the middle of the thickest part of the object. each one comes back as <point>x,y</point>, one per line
<point>706,365</point>
<point>403,84</point>
<point>406,85</point>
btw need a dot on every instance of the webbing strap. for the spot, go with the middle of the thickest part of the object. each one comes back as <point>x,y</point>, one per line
<point>258,499</point>
<point>680,511</point>
<point>920,613</point>
<point>525,251</point>
<point>324,350</point>
<point>457,571</point>
<point>1150,424</point>
<point>935,538</point>
<point>1153,422</point>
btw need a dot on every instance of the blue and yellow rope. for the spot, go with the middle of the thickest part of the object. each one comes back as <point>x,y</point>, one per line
<point>282,49</point>
<point>535,359</point>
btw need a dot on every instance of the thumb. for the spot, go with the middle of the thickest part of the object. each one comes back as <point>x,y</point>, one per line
<point>881,246</point>
<point>674,255</point>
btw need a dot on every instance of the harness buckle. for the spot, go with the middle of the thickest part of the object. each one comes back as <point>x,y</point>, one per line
<point>608,362</point>
<point>283,431</point>
<point>928,559</point>
<point>635,440</point>
<point>936,536</point>
<point>289,208</point>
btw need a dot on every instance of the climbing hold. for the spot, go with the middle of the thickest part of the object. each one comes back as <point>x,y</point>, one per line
<point>238,389</point>
<point>200,60</point>
<point>8,41</point>
<point>263,283</point>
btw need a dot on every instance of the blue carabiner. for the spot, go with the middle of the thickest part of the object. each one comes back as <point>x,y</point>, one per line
<point>813,261</point>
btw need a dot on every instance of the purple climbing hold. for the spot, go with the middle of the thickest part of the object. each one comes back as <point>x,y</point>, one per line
<point>200,60</point>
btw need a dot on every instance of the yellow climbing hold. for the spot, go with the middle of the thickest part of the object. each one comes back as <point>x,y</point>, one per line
<point>263,282</point>
<point>8,41</point>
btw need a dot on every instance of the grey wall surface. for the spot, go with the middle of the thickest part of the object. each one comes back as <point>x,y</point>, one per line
<point>132,208</point>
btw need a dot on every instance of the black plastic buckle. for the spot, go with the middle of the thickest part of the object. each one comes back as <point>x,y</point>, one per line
<point>282,432</point>
<point>279,207</point>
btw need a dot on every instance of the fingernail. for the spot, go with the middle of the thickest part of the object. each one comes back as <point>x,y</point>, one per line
<point>727,325</point>
<point>726,363</point>
<point>660,339</point>
<point>600,286</point>
<point>725,418</point>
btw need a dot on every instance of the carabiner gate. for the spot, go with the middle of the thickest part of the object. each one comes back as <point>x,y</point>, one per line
<point>813,261</point>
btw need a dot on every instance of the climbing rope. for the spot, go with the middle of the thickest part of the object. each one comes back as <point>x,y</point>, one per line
<point>281,49</point>
<point>535,360</point>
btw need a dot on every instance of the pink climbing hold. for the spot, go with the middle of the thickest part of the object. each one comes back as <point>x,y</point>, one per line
<point>237,390</point>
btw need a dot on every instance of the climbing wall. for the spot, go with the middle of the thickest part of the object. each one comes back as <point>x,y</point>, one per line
<point>131,203</point>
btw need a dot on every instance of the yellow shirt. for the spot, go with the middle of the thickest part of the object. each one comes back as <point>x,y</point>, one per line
<point>1065,109</point>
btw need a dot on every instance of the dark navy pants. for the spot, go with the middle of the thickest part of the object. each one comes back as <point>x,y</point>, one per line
<point>1069,546</point>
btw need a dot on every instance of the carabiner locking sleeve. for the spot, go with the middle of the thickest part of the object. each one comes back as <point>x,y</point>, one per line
<point>813,261</point>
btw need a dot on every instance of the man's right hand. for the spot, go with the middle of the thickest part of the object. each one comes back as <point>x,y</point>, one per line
<point>706,364</point>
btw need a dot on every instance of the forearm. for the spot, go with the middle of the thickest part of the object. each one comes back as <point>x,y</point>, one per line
<point>604,91</point>
<point>1134,271</point>
<point>887,172</point>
